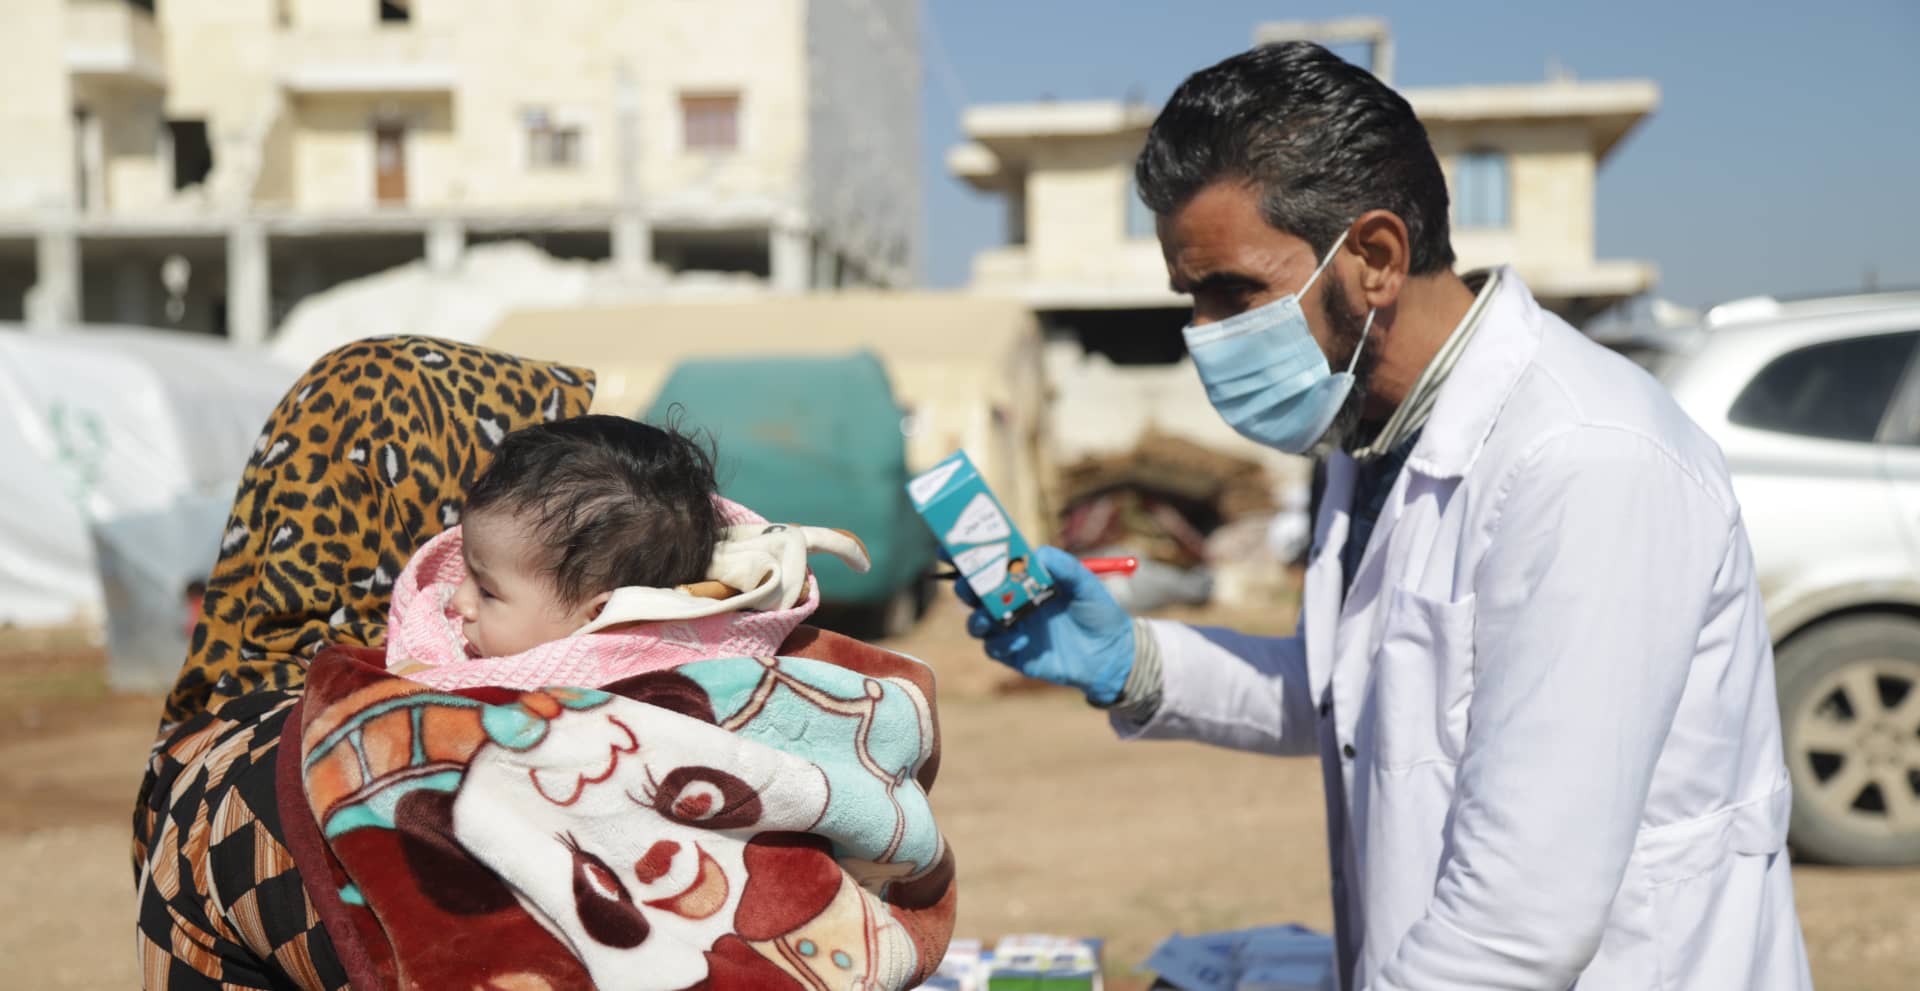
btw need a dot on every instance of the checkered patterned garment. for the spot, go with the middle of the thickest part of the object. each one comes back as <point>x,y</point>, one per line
<point>360,464</point>
<point>221,902</point>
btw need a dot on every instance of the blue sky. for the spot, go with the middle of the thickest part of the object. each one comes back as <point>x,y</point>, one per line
<point>1785,156</point>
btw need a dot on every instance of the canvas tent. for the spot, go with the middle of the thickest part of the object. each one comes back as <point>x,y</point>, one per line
<point>122,443</point>
<point>464,302</point>
<point>966,368</point>
<point>413,298</point>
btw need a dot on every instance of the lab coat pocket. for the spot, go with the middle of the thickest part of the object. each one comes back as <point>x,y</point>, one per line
<point>1706,878</point>
<point>1422,680</point>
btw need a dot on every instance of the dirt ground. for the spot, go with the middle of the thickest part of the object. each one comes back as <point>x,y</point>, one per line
<point>1057,827</point>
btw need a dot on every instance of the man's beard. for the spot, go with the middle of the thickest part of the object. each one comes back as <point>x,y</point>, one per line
<point>1347,328</point>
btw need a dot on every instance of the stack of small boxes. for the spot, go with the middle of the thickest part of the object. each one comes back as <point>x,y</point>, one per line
<point>1045,963</point>
<point>1028,962</point>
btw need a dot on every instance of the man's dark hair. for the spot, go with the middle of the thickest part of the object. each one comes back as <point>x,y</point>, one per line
<point>1322,141</point>
<point>612,502</point>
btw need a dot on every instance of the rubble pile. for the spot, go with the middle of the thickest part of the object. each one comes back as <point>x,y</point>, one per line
<point>1196,517</point>
<point>1162,498</point>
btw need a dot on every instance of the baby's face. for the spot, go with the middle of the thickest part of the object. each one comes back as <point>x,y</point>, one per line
<point>508,603</point>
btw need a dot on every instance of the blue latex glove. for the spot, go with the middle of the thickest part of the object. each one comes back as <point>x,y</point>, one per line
<point>1080,637</point>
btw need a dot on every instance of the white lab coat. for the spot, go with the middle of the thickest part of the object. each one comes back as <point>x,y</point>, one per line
<point>1545,710</point>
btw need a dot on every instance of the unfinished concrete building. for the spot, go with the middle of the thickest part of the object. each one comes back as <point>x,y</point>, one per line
<point>1520,163</point>
<point>208,163</point>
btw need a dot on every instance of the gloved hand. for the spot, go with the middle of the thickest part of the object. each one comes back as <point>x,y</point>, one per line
<point>1080,637</point>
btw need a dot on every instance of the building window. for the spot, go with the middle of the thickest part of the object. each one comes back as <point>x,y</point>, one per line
<point>86,157</point>
<point>1139,218</point>
<point>390,160</point>
<point>1480,189</point>
<point>553,143</point>
<point>396,11</point>
<point>192,153</point>
<point>163,149</point>
<point>710,121</point>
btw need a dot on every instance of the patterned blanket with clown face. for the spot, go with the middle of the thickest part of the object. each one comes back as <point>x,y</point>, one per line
<point>734,823</point>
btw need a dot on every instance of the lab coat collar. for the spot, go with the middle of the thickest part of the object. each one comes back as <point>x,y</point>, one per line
<point>1477,390</point>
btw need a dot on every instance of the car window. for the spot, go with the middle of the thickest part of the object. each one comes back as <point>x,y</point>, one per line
<point>1902,425</point>
<point>1839,390</point>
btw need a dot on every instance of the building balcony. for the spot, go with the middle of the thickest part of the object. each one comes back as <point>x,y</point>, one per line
<point>115,40</point>
<point>1610,279</point>
<point>1124,276</point>
<point>1560,269</point>
<point>1000,270</point>
<point>369,61</point>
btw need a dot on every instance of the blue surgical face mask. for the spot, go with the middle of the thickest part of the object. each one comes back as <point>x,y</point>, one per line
<point>1265,375</point>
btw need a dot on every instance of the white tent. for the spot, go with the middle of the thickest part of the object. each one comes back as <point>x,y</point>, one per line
<point>467,301</point>
<point>412,299</point>
<point>99,425</point>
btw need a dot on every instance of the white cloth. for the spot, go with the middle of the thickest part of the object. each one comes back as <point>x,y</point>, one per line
<point>1545,709</point>
<point>766,562</point>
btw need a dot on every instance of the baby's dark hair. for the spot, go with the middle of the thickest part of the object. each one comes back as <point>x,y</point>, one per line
<point>611,501</point>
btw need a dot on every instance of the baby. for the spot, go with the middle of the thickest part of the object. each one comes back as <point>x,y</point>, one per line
<point>570,511</point>
<point>594,549</point>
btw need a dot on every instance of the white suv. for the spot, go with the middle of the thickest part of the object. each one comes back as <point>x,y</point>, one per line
<point>1817,406</point>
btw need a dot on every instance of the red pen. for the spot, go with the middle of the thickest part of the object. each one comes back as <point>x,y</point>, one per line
<point>1097,565</point>
<point>1111,565</point>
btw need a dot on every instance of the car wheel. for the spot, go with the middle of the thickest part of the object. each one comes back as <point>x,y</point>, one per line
<point>1850,713</point>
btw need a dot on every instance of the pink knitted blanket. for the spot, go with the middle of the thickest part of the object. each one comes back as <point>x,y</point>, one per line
<point>425,642</point>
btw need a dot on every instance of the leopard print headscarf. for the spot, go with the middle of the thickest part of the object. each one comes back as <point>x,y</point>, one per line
<point>366,458</point>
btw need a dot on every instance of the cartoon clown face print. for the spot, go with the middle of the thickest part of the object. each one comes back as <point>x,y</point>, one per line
<point>624,827</point>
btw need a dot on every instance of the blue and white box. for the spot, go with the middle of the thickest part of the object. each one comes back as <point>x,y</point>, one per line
<point>980,538</point>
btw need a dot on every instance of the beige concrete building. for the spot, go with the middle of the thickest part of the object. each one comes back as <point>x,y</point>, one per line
<point>1520,163</point>
<point>282,146</point>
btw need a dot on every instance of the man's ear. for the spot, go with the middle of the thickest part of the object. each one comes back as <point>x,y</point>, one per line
<point>590,609</point>
<point>1379,243</point>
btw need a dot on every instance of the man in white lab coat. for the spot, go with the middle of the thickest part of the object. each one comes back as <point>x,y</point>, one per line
<point>1533,659</point>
